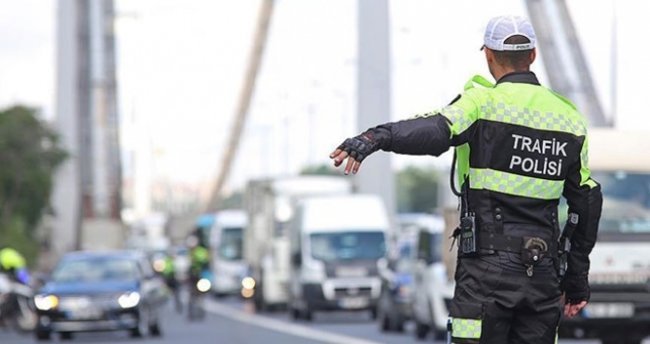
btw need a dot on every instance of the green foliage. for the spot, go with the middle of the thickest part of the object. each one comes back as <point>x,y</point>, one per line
<point>29,154</point>
<point>417,189</point>
<point>322,169</point>
<point>14,234</point>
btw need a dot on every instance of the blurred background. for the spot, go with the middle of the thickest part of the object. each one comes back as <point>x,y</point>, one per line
<point>140,124</point>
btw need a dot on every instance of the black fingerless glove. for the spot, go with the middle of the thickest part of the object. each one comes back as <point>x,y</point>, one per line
<point>576,289</point>
<point>359,147</point>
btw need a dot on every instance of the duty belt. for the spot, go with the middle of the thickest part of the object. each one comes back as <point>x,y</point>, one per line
<point>531,249</point>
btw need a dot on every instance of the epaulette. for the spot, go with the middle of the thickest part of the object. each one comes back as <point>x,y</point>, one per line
<point>478,80</point>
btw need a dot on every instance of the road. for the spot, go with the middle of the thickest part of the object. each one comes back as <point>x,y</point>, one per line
<point>232,321</point>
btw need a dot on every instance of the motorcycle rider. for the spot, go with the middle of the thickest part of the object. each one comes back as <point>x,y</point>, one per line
<point>199,263</point>
<point>169,274</point>
<point>14,265</point>
<point>199,259</point>
<point>14,312</point>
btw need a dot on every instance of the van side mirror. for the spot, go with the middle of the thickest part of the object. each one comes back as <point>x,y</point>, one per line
<point>296,259</point>
<point>383,264</point>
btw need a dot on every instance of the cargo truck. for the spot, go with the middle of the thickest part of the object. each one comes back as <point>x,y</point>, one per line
<point>269,204</point>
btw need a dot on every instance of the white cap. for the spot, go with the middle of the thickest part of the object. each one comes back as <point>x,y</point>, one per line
<point>503,27</point>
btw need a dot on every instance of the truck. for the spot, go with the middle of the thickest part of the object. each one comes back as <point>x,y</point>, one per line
<point>226,250</point>
<point>619,307</point>
<point>336,244</point>
<point>269,204</point>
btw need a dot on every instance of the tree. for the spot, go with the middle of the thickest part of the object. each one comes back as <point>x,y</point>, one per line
<point>417,189</point>
<point>29,154</point>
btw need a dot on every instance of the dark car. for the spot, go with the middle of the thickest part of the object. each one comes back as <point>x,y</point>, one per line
<point>395,302</point>
<point>100,291</point>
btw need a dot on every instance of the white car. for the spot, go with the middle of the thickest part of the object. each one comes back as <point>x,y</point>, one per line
<point>433,288</point>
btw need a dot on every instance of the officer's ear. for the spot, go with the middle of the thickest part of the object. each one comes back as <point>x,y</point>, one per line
<point>532,55</point>
<point>489,55</point>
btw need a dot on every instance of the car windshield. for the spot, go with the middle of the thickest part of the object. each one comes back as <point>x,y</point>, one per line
<point>95,270</point>
<point>347,245</point>
<point>230,245</point>
<point>626,202</point>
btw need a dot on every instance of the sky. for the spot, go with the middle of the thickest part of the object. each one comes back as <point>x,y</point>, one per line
<point>181,65</point>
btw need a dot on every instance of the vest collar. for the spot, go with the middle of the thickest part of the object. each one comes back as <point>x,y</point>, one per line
<point>520,77</point>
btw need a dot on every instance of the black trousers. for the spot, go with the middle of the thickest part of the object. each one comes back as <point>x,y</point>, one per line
<point>493,292</point>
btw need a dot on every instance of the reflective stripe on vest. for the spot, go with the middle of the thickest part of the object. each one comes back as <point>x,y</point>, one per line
<point>553,121</point>
<point>515,184</point>
<point>466,328</point>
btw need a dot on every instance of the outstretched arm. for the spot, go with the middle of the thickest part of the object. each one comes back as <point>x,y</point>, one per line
<point>430,134</point>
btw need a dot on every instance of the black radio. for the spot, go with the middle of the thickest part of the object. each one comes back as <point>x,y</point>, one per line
<point>468,238</point>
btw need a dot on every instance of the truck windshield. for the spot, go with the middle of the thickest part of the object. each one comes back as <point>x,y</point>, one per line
<point>230,244</point>
<point>626,202</point>
<point>347,245</point>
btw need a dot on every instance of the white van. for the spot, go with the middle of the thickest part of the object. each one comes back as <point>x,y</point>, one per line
<point>336,243</point>
<point>226,241</point>
<point>433,287</point>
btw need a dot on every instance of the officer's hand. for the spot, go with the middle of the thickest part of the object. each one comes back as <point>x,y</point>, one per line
<point>340,155</point>
<point>571,310</point>
<point>355,149</point>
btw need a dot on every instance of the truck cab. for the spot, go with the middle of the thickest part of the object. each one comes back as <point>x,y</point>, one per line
<point>336,243</point>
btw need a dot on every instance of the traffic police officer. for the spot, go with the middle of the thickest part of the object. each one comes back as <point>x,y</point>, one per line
<point>519,148</point>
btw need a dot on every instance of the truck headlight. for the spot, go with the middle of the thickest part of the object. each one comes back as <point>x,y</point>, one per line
<point>129,300</point>
<point>46,302</point>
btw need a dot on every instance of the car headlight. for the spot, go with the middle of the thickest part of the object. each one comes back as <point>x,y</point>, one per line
<point>248,282</point>
<point>129,300</point>
<point>46,302</point>
<point>203,285</point>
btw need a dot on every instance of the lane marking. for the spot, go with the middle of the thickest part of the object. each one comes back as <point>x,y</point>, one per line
<point>282,326</point>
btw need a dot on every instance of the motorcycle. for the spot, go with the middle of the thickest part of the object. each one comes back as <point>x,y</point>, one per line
<point>17,310</point>
<point>198,288</point>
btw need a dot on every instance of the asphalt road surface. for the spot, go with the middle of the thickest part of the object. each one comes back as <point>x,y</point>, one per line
<point>232,321</point>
